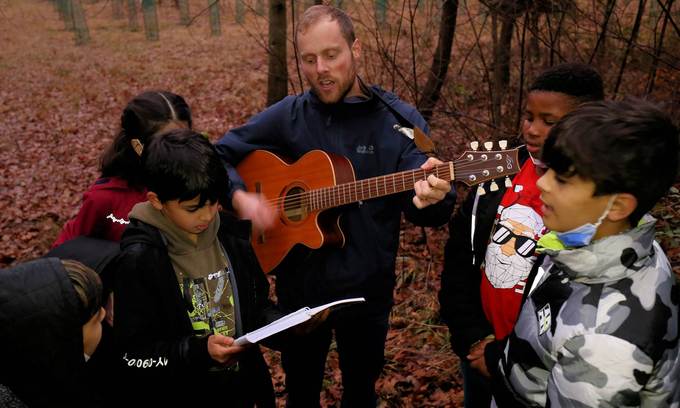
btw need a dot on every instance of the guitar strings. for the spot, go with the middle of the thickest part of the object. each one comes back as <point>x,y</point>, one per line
<point>334,194</point>
<point>361,188</point>
<point>402,177</point>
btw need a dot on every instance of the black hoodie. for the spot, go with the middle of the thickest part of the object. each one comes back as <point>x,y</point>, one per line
<point>153,327</point>
<point>41,340</point>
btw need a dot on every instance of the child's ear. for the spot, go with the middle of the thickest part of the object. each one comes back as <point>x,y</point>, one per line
<point>624,204</point>
<point>153,199</point>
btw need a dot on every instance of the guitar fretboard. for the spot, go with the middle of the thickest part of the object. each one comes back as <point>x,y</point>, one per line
<point>347,193</point>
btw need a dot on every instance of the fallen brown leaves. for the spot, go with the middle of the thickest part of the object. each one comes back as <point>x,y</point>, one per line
<point>60,106</point>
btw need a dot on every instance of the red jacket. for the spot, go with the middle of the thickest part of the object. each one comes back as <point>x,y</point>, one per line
<point>104,212</point>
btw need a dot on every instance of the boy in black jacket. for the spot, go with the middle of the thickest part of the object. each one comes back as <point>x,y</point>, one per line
<point>490,252</point>
<point>188,285</point>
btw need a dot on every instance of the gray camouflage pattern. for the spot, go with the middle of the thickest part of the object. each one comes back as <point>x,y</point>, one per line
<point>600,329</point>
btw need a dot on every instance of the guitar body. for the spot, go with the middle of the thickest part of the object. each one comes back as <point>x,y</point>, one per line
<point>282,182</point>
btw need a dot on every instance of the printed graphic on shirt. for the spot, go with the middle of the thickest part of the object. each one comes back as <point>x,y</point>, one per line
<point>213,304</point>
<point>510,254</point>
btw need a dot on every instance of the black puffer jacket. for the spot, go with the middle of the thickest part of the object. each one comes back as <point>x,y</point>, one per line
<point>152,326</point>
<point>41,340</point>
<point>459,297</point>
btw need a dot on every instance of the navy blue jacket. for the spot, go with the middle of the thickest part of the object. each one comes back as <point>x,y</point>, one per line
<point>363,131</point>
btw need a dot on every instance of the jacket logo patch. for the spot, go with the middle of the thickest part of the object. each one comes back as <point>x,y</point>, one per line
<point>118,220</point>
<point>361,149</point>
<point>544,319</point>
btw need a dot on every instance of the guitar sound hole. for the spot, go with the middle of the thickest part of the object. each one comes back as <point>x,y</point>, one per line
<point>294,206</point>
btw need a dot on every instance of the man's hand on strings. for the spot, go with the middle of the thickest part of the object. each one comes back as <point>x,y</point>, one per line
<point>433,189</point>
<point>255,208</point>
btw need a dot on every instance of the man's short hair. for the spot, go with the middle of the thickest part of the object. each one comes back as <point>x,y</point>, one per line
<point>316,13</point>
<point>580,81</point>
<point>627,146</point>
<point>182,164</point>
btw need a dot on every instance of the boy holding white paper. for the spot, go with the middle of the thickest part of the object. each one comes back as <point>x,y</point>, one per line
<point>188,285</point>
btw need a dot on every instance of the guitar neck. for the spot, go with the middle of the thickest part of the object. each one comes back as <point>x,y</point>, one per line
<point>374,187</point>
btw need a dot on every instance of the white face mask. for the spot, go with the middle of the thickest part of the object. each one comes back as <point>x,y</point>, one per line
<point>583,235</point>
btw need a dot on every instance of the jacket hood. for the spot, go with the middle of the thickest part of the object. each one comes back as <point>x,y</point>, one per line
<point>115,184</point>
<point>41,343</point>
<point>608,259</point>
<point>178,240</point>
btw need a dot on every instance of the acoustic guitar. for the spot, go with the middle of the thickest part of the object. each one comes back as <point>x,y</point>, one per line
<point>303,190</point>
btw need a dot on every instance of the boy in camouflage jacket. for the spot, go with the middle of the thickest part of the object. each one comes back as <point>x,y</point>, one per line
<point>600,324</point>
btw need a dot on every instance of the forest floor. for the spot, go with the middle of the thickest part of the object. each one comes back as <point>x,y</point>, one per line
<point>60,106</point>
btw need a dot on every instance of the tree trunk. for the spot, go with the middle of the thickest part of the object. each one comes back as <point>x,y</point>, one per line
<point>117,9</point>
<point>629,46</point>
<point>66,8</point>
<point>380,11</point>
<point>133,24</point>
<point>150,15</point>
<point>555,40</point>
<point>277,80</point>
<point>501,67</point>
<point>183,6</point>
<point>658,49</point>
<point>215,28</point>
<point>522,60</point>
<point>440,60</point>
<point>599,45</point>
<point>79,23</point>
<point>534,49</point>
<point>240,11</point>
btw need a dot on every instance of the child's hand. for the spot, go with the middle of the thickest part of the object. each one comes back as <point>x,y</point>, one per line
<point>221,349</point>
<point>476,356</point>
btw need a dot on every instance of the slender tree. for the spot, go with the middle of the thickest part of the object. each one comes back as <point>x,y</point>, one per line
<point>240,12</point>
<point>66,7</point>
<point>599,44</point>
<point>133,23</point>
<point>183,6</point>
<point>380,11</point>
<point>277,80</point>
<point>629,45</point>
<point>658,48</point>
<point>117,9</point>
<point>150,14</point>
<point>440,60</point>
<point>80,25</point>
<point>215,29</point>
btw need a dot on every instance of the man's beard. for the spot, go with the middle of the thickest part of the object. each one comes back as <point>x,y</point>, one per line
<point>343,91</point>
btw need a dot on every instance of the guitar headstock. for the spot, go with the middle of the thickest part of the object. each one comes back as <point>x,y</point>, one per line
<point>477,166</point>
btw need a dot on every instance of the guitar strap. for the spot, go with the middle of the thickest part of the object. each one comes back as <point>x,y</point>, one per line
<point>424,143</point>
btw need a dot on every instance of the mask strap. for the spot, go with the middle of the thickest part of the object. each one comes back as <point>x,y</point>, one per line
<point>606,211</point>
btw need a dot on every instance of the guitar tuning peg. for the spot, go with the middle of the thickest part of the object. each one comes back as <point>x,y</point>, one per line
<point>480,190</point>
<point>508,182</point>
<point>493,186</point>
<point>474,145</point>
<point>488,145</point>
<point>503,144</point>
